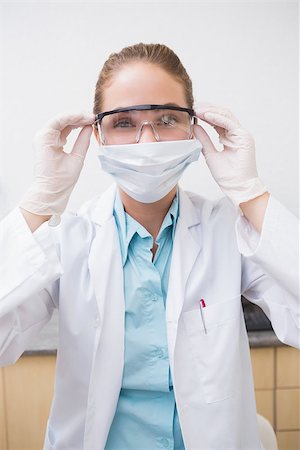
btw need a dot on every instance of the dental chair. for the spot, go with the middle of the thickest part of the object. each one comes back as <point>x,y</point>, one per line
<point>266,433</point>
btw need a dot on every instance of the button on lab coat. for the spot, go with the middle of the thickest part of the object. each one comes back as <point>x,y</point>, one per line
<point>77,268</point>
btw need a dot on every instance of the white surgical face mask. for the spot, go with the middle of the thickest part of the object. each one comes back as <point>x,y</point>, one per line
<point>148,171</point>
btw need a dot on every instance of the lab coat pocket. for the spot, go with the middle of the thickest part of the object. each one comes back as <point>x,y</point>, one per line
<point>214,336</point>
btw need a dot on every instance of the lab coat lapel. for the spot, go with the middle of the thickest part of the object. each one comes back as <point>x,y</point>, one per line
<point>105,250</point>
<point>106,272</point>
<point>186,247</point>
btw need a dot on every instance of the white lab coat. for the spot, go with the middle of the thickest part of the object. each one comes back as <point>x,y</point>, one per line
<point>76,267</point>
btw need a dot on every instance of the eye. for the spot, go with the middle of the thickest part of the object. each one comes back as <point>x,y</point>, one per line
<point>168,119</point>
<point>123,123</point>
<point>122,120</point>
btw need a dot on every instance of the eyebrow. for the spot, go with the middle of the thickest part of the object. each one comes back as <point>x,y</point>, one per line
<point>171,104</point>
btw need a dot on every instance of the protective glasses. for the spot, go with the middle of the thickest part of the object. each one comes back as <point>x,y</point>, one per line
<point>124,125</point>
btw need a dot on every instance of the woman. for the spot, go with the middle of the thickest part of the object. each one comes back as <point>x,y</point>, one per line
<point>153,350</point>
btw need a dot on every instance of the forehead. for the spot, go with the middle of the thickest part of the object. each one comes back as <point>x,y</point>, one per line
<point>142,83</point>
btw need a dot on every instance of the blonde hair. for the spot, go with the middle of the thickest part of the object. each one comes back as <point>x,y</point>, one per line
<point>158,54</point>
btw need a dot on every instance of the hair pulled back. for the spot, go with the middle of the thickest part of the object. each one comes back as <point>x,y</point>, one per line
<point>158,54</point>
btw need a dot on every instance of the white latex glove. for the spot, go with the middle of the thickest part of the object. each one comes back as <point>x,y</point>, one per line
<point>56,172</point>
<point>233,168</point>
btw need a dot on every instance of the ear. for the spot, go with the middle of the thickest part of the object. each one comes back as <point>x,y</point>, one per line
<point>97,135</point>
<point>192,135</point>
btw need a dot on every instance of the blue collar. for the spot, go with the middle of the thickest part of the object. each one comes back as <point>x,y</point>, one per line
<point>128,226</point>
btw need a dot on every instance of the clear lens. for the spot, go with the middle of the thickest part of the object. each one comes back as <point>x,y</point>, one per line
<point>124,127</point>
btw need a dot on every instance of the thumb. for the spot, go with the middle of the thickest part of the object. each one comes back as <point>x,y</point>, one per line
<point>82,142</point>
<point>208,146</point>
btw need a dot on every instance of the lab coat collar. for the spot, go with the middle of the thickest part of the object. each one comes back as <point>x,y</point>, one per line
<point>188,213</point>
<point>103,209</point>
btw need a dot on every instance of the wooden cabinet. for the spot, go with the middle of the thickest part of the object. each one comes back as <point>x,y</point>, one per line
<point>276,373</point>
<point>3,427</point>
<point>26,390</point>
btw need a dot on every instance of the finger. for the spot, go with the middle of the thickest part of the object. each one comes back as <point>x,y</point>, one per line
<point>82,142</point>
<point>219,130</point>
<point>64,134</point>
<point>203,108</point>
<point>72,120</point>
<point>201,134</point>
<point>222,121</point>
<point>229,144</point>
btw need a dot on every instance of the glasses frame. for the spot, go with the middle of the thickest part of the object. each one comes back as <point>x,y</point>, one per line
<point>147,107</point>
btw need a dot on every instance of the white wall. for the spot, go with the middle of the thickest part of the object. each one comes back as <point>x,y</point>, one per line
<point>240,55</point>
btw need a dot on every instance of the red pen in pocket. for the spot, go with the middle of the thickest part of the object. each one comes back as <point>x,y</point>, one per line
<point>203,305</point>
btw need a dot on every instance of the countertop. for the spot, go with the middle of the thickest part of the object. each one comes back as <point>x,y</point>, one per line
<point>47,341</point>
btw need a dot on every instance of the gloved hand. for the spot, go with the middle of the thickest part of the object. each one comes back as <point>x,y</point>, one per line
<point>233,168</point>
<point>56,171</point>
